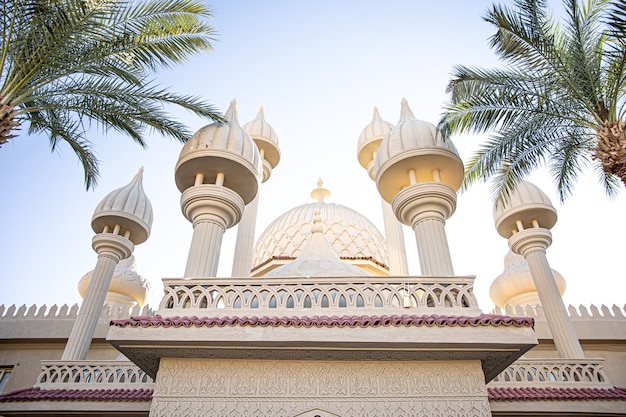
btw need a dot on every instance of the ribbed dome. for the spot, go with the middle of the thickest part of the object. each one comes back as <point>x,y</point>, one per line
<point>266,139</point>
<point>370,139</point>
<point>127,207</point>
<point>515,286</point>
<point>317,259</point>
<point>351,235</point>
<point>415,145</point>
<point>527,203</point>
<point>127,286</point>
<point>221,148</point>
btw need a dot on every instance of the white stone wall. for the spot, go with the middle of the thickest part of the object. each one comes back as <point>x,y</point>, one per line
<point>207,387</point>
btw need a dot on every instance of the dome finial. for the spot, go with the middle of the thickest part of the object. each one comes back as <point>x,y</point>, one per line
<point>231,113</point>
<point>405,112</point>
<point>320,193</point>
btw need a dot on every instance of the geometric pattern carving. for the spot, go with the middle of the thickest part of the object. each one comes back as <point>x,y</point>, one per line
<point>553,373</point>
<point>85,374</point>
<point>325,294</point>
<point>207,387</point>
<point>348,232</point>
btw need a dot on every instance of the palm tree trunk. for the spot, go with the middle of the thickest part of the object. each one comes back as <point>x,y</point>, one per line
<point>611,148</point>
<point>7,123</point>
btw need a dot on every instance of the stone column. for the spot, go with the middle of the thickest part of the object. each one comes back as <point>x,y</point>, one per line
<point>395,242</point>
<point>425,207</point>
<point>244,248</point>
<point>111,248</point>
<point>532,244</point>
<point>212,209</point>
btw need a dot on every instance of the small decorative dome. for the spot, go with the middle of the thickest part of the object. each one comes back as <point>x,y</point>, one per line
<point>127,286</point>
<point>370,139</point>
<point>266,139</point>
<point>527,203</point>
<point>127,207</point>
<point>515,286</point>
<point>221,147</point>
<point>350,234</point>
<point>317,259</point>
<point>415,145</point>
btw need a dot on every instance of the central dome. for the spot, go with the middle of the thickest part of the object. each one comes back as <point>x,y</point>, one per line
<point>351,235</point>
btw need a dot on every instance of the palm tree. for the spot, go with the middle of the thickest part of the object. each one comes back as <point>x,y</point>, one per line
<point>67,65</point>
<point>558,102</point>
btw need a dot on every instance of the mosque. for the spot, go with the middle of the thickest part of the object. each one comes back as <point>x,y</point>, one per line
<point>320,317</point>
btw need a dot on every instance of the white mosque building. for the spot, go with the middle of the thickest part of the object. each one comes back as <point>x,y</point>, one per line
<point>320,317</point>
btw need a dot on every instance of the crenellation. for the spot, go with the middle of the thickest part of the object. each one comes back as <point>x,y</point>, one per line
<point>581,312</point>
<point>53,312</point>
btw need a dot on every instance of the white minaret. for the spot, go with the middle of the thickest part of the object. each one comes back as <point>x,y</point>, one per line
<point>515,287</point>
<point>266,140</point>
<point>127,289</point>
<point>218,173</point>
<point>369,141</point>
<point>419,173</point>
<point>122,220</point>
<point>525,220</point>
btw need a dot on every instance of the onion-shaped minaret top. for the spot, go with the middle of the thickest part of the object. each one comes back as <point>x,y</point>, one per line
<point>415,152</point>
<point>127,285</point>
<point>515,286</point>
<point>125,211</point>
<point>265,138</point>
<point>526,207</point>
<point>370,139</point>
<point>221,148</point>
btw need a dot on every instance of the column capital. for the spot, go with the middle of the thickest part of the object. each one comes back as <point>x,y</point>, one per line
<point>213,203</point>
<point>114,246</point>
<point>530,240</point>
<point>427,200</point>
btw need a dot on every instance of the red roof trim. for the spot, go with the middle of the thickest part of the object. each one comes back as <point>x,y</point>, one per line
<point>495,394</point>
<point>326,321</point>
<point>62,394</point>
<point>555,394</point>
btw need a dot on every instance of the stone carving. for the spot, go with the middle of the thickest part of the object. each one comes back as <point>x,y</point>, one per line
<point>553,373</point>
<point>336,294</point>
<point>210,387</point>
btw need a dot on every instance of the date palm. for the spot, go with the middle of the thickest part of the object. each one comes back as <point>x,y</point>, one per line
<point>558,102</point>
<point>67,65</point>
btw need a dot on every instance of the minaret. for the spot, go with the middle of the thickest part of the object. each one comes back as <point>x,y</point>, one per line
<point>127,288</point>
<point>515,287</point>
<point>525,219</point>
<point>419,172</point>
<point>266,140</point>
<point>369,141</point>
<point>122,220</point>
<point>218,173</point>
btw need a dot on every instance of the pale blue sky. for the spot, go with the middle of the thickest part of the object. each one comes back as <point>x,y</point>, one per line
<point>318,68</point>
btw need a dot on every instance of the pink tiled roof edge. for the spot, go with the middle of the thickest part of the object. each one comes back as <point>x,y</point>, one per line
<point>555,394</point>
<point>62,394</point>
<point>326,321</point>
<point>495,394</point>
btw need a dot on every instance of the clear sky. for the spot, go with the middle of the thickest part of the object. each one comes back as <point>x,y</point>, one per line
<point>318,68</point>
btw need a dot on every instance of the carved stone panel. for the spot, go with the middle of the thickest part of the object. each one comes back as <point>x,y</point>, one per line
<point>289,388</point>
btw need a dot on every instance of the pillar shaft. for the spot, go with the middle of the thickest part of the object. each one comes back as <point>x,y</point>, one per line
<point>212,208</point>
<point>204,254</point>
<point>425,207</point>
<point>111,249</point>
<point>242,262</point>
<point>432,246</point>
<point>532,244</point>
<point>395,242</point>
